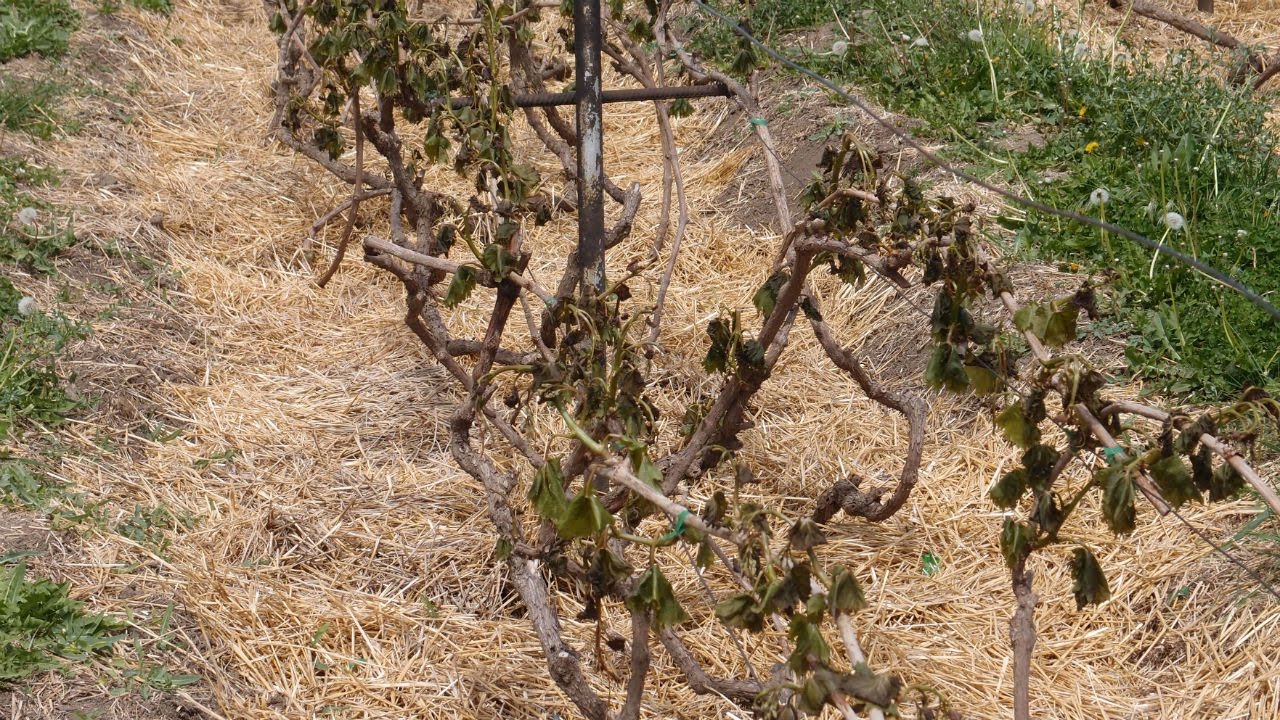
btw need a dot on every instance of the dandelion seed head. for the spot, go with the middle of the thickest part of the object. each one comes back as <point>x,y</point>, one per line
<point>27,216</point>
<point>1242,234</point>
<point>839,47</point>
<point>1079,51</point>
<point>1174,221</point>
<point>27,306</point>
<point>921,41</point>
<point>1099,197</point>
<point>975,35</point>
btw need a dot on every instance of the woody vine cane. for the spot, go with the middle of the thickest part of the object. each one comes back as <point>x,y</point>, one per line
<point>579,437</point>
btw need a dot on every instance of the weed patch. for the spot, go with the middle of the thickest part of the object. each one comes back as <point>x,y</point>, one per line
<point>41,628</point>
<point>30,106</point>
<point>31,392</point>
<point>35,27</point>
<point>23,484</point>
<point>1164,149</point>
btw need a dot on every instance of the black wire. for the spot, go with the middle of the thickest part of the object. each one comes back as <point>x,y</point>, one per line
<point>1009,195</point>
<point>1223,551</point>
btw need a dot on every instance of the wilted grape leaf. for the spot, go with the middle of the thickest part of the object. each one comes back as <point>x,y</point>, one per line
<point>813,696</point>
<point>864,684</point>
<point>1090,586</point>
<point>848,269</point>
<point>654,594</point>
<point>1039,461</point>
<point>809,646</point>
<point>946,369</point>
<point>706,555</point>
<point>1047,514</point>
<point>1015,541</point>
<point>780,595</point>
<point>1226,482</point>
<point>497,259</point>
<point>464,281</point>
<point>806,534</point>
<point>714,509</point>
<point>584,517</point>
<point>722,340</point>
<point>740,611</point>
<point>982,380</point>
<point>436,147</point>
<point>940,317</point>
<point>845,594</point>
<point>750,358</point>
<point>680,108</point>
<point>766,298</point>
<point>1054,323</point>
<point>1201,468</point>
<point>547,491</point>
<point>1174,479</point>
<point>1017,429</point>
<point>1008,489</point>
<point>1117,499</point>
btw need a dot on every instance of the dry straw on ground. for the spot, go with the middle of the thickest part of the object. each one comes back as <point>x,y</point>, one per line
<point>342,566</point>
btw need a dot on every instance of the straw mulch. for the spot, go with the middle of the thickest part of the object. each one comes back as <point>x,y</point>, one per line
<point>341,564</point>
<point>1256,22</point>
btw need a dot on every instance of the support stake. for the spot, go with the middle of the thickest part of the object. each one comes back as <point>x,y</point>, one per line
<point>586,38</point>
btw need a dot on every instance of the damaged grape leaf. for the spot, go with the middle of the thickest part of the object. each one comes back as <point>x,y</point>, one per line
<point>654,594</point>
<point>464,281</point>
<point>547,491</point>
<point>766,298</point>
<point>1015,541</point>
<point>584,517</point>
<point>810,647</point>
<point>1017,427</point>
<point>1090,585</point>
<point>1175,481</point>
<point>1117,499</point>
<point>740,611</point>
<point>845,594</point>
<point>1008,489</point>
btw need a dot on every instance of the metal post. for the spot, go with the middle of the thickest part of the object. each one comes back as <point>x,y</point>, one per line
<point>586,38</point>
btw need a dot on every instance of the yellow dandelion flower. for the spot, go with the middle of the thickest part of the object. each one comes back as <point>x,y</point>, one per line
<point>1093,145</point>
<point>1083,110</point>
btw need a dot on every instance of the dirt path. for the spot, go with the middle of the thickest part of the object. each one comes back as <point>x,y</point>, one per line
<point>339,565</point>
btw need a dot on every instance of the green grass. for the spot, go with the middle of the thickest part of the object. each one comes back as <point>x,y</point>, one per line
<point>35,27</point>
<point>42,629</point>
<point>1158,137</point>
<point>36,242</point>
<point>31,106</point>
<point>164,7</point>
<point>31,391</point>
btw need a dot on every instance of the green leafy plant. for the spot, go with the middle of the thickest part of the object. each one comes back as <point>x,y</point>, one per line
<point>41,628</point>
<point>39,27</point>
<point>31,391</point>
<point>30,106</point>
